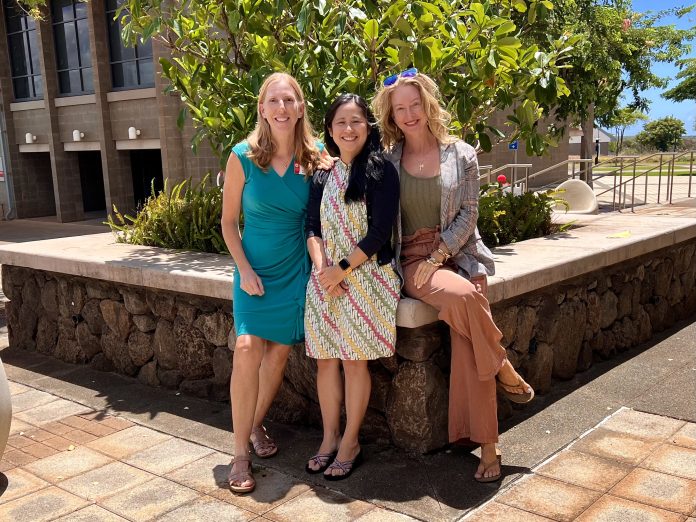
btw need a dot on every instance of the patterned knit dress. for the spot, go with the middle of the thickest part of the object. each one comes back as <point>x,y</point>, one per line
<point>361,324</point>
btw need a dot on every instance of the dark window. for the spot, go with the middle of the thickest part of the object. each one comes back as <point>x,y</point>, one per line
<point>131,67</point>
<point>24,53</point>
<point>73,54</point>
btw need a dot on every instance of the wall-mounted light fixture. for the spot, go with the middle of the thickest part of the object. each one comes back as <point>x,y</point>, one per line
<point>77,135</point>
<point>29,138</point>
<point>133,133</point>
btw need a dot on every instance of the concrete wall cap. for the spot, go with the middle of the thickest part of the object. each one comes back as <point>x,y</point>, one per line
<point>520,268</point>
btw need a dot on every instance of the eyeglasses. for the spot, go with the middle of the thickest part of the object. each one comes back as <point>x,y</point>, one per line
<point>408,73</point>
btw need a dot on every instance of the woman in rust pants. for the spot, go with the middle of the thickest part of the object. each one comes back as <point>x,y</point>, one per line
<point>443,260</point>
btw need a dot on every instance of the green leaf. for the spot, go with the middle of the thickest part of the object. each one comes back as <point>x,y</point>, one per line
<point>371,31</point>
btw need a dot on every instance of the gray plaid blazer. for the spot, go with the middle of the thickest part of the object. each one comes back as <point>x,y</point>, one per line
<point>458,211</point>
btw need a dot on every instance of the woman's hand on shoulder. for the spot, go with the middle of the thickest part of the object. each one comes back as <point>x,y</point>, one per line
<point>250,282</point>
<point>325,161</point>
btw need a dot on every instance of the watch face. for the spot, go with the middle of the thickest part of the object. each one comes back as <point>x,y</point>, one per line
<point>344,264</point>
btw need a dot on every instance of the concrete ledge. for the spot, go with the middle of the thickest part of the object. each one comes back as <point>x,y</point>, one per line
<point>68,101</point>
<point>598,242</point>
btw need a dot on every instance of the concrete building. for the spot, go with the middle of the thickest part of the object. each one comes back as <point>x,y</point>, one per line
<point>86,123</point>
<point>599,134</point>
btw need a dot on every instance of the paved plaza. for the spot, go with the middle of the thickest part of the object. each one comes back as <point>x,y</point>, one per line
<point>615,443</point>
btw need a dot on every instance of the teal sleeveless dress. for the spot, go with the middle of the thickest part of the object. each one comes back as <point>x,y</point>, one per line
<point>273,239</point>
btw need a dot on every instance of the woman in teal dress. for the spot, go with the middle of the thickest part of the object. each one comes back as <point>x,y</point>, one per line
<point>265,180</point>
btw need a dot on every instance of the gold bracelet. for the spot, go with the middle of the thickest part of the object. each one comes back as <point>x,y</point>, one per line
<point>444,254</point>
<point>433,262</point>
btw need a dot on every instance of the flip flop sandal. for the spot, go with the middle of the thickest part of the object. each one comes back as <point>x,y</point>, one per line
<point>519,398</point>
<point>264,446</point>
<point>323,460</point>
<point>235,479</point>
<point>494,478</point>
<point>347,466</point>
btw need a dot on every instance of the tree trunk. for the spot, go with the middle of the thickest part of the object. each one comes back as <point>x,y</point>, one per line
<point>586,143</point>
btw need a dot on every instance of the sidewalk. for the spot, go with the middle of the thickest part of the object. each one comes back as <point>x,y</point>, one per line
<point>95,446</point>
<point>88,445</point>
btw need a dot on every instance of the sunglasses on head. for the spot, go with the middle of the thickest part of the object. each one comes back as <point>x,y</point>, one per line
<point>408,73</point>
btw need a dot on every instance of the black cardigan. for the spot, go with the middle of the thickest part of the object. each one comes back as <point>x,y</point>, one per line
<point>382,202</point>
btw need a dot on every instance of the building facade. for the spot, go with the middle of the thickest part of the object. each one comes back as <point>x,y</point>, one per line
<point>86,122</point>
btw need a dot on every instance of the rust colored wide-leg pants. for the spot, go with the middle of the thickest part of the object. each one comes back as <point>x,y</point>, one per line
<point>477,354</point>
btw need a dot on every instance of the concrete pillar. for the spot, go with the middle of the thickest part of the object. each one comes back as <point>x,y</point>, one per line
<point>116,167</point>
<point>168,107</point>
<point>30,176</point>
<point>65,169</point>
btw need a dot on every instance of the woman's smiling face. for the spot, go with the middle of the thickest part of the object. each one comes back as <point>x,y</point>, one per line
<point>407,110</point>
<point>281,107</point>
<point>349,129</point>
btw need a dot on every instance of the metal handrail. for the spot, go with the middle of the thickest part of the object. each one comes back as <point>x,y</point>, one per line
<point>564,162</point>
<point>513,166</point>
<point>621,186</point>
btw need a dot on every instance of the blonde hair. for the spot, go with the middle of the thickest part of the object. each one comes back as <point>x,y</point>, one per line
<point>261,145</point>
<point>438,118</point>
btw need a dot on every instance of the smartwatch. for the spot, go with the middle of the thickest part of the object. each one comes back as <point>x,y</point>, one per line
<point>344,264</point>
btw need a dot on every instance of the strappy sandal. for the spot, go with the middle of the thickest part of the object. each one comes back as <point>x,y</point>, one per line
<point>347,466</point>
<point>264,446</point>
<point>487,465</point>
<point>240,477</point>
<point>323,460</point>
<point>526,395</point>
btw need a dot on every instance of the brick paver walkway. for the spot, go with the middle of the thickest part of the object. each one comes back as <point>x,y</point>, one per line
<point>67,462</point>
<point>632,467</point>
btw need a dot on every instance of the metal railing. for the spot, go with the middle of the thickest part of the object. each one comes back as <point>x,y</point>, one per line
<point>513,179</point>
<point>569,161</point>
<point>625,170</point>
<point>631,163</point>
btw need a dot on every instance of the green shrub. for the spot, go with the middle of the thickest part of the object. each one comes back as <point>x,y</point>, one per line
<point>184,217</point>
<point>505,218</point>
<point>188,218</point>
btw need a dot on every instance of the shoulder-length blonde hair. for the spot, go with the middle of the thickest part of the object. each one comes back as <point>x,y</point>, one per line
<point>261,145</point>
<point>438,118</point>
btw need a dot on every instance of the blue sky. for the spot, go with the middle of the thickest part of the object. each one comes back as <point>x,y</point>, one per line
<point>659,107</point>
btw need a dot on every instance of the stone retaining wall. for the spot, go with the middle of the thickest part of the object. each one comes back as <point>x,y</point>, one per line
<point>185,342</point>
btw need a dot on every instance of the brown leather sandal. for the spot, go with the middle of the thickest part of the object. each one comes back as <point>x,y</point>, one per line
<point>520,393</point>
<point>264,446</point>
<point>235,479</point>
<point>486,465</point>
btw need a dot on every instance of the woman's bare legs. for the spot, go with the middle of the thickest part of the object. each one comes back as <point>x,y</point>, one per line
<point>358,386</point>
<point>275,359</point>
<point>330,391</point>
<point>244,390</point>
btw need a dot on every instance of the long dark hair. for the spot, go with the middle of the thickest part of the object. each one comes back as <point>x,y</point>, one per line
<point>369,162</point>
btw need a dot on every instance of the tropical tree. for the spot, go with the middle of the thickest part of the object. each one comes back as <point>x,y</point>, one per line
<point>662,134</point>
<point>614,55</point>
<point>620,120</point>
<point>686,88</point>
<point>220,51</point>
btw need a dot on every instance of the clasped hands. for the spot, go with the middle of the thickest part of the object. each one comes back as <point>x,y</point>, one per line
<point>331,280</point>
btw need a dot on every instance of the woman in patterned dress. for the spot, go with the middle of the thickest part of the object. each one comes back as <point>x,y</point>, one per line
<point>350,317</point>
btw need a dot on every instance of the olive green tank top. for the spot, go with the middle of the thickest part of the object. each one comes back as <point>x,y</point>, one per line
<point>420,202</point>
